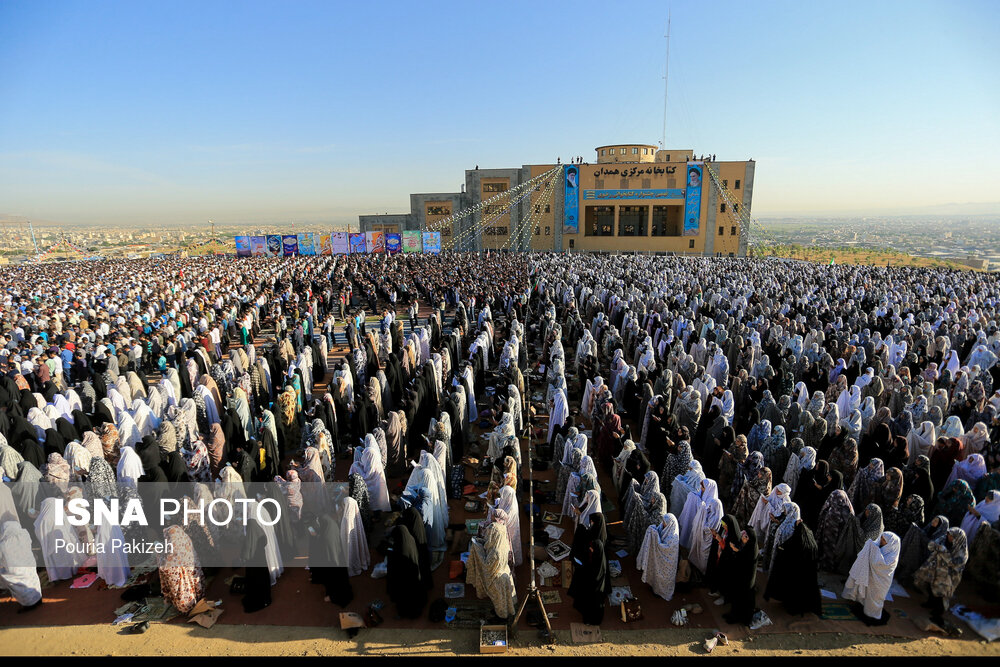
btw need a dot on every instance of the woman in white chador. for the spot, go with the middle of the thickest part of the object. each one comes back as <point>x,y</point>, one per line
<point>707,491</point>
<point>806,460</point>
<point>657,557</point>
<point>871,576</point>
<point>18,573</point>
<point>112,563</point>
<point>684,485</point>
<point>768,507</point>
<point>706,522</point>
<point>369,466</point>
<point>425,491</point>
<point>507,503</point>
<point>352,532</point>
<point>60,563</point>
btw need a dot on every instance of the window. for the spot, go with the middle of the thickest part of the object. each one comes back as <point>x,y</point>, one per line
<point>599,220</point>
<point>499,230</point>
<point>538,208</point>
<point>538,230</point>
<point>732,230</point>
<point>623,183</point>
<point>725,183</point>
<point>599,183</point>
<point>635,151</point>
<point>691,243</point>
<point>722,231</point>
<point>645,151</point>
<point>438,210</point>
<point>548,209</point>
<point>548,230</point>
<point>494,187</point>
<point>736,208</point>
<point>632,220</point>
<point>737,186</point>
<point>671,182</point>
<point>668,157</point>
<point>492,209</point>
<point>666,220</point>
<point>647,183</point>
<point>602,151</point>
<point>446,231</point>
<point>722,207</point>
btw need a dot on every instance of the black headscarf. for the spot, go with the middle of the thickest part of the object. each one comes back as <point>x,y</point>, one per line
<point>404,581</point>
<point>66,430</point>
<point>591,582</point>
<point>324,548</point>
<point>411,520</point>
<point>82,423</point>
<point>741,579</point>
<point>54,442</point>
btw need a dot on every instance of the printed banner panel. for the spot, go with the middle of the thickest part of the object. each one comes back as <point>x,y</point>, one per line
<point>341,244</point>
<point>258,246</point>
<point>273,245</point>
<point>393,243</point>
<point>306,245</point>
<point>290,245</point>
<point>242,246</point>
<point>357,243</point>
<point>375,241</point>
<point>432,242</point>
<point>325,244</point>
<point>412,242</point>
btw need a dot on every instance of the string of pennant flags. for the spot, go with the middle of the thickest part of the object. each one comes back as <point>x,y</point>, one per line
<point>757,234</point>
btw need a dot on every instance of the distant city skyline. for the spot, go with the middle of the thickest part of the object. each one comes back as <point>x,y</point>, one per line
<point>315,112</point>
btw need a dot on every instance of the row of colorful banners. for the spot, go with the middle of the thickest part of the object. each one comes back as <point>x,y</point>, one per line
<point>337,243</point>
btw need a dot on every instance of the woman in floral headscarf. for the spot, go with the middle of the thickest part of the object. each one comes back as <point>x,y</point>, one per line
<point>941,573</point>
<point>954,501</point>
<point>181,578</point>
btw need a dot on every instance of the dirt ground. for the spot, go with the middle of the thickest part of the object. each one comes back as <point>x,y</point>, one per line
<point>244,640</point>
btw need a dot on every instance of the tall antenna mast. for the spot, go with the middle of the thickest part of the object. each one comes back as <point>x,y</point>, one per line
<point>666,70</point>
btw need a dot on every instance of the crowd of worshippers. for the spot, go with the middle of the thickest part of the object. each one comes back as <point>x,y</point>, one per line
<point>217,372</point>
<point>752,416</point>
<point>775,418</point>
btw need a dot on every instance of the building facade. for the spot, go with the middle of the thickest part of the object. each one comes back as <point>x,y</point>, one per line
<point>633,198</point>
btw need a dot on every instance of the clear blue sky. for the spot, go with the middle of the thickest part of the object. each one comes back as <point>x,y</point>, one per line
<point>178,112</point>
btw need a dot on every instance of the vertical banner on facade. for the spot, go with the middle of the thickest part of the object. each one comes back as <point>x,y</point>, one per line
<point>242,246</point>
<point>375,241</point>
<point>571,201</point>
<point>258,246</point>
<point>325,244</point>
<point>358,243</point>
<point>692,198</point>
<point>273,245</point>
<point>411,242</point>
<point>340,243</point>
<point>290,245</point>
<point>306,246</point>
<point>393,243</point>
<point>432,242</point>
